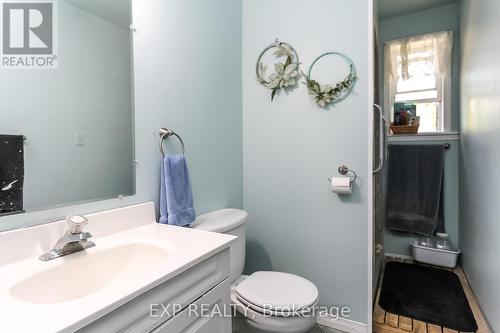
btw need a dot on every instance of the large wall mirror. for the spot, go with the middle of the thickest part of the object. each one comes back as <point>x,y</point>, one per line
<point>66,132</point>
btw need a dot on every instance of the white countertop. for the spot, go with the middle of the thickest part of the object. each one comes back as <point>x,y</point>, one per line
<point>186,247</point>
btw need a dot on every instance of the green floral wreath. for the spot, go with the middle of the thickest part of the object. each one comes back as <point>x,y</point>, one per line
<point>286,74</point>
<point>328,93</point>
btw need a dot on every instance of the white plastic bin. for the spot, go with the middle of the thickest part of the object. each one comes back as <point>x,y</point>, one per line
<point>433,256</point>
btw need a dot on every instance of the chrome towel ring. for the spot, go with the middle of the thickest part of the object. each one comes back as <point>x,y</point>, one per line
<point>165,133</point>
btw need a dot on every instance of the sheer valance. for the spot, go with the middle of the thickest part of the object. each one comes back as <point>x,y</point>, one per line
<point>434,50</point>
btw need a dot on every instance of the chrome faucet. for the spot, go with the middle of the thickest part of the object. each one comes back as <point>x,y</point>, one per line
<point>74,240</point>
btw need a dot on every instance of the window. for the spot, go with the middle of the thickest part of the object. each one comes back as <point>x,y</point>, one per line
<point>424,89</point>
<point>417,71</point>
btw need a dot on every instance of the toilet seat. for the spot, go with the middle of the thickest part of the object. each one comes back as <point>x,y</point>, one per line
<point>269,312</point>
<point>277,294</point>
<point>269,323</point>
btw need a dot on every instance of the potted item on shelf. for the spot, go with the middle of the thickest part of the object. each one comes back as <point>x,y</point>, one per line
<point>406,120</point>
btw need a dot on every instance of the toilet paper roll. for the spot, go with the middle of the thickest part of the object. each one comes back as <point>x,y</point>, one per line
<point>341,185</point>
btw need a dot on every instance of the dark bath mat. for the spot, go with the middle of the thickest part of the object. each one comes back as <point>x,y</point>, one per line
<point>427,294</point>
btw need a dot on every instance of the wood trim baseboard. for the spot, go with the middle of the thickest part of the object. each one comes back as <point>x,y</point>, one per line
<point>478,314</point>
<point>342,324</point>
<point>398,256</point>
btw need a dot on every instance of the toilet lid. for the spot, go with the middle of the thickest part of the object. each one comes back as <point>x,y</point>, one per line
<point>277,291</point>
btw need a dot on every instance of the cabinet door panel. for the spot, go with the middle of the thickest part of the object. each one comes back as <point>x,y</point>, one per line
<point>209,314</point>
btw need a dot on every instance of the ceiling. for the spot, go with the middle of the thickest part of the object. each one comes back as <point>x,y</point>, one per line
<point>391,8</point>
<point>114,11</point>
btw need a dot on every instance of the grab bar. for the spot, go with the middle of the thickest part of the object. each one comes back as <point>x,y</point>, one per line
<point>382,158</point>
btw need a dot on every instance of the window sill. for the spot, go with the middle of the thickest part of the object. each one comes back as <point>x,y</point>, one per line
<point>432,136</point>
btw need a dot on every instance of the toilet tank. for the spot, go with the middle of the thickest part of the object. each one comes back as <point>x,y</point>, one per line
<point>228,221</point>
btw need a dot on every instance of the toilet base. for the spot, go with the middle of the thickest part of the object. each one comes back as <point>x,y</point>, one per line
<point>242,325</point>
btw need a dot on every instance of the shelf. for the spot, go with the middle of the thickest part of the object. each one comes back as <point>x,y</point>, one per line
<point>433,136</point>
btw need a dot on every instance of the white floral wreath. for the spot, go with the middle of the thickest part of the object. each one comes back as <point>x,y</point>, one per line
<point>328,93</point>
<point>286,74</point>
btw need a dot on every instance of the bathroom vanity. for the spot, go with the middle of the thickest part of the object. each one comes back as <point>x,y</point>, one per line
<point>140,277</point>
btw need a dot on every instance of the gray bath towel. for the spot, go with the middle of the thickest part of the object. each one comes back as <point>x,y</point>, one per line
<point>414,188</point>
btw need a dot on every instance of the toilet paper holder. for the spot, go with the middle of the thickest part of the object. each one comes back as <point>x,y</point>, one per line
<point>344,170</point>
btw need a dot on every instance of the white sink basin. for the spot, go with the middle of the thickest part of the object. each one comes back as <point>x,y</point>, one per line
<point>84,273</point>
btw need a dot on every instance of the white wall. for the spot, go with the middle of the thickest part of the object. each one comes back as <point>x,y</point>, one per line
<point>480,91</point>
<point>291,147</point>
<point>90,92</point>
<point>187,76</point>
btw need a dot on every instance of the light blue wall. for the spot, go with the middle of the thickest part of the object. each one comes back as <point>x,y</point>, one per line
<point>188,77</point>
<point>187,63</point>
<point>419,23</point>
<point>480,160</point>
<point>291,147</point>
<point>397,243</point>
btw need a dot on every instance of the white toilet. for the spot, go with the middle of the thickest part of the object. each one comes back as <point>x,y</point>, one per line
<point>266,301</point>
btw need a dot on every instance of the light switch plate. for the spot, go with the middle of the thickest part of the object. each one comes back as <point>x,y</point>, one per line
<point>79,139</point>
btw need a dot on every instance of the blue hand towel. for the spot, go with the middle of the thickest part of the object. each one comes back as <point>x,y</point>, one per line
<point>176,197</point>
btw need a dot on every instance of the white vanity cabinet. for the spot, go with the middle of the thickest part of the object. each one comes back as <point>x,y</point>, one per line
<point>200,290</point>
<point>140,277</point>
<point>209,314</point>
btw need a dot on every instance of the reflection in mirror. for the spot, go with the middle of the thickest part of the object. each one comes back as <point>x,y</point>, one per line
<point>66,133</point>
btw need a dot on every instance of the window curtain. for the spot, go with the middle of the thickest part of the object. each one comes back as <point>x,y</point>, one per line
<point>434,49</point>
